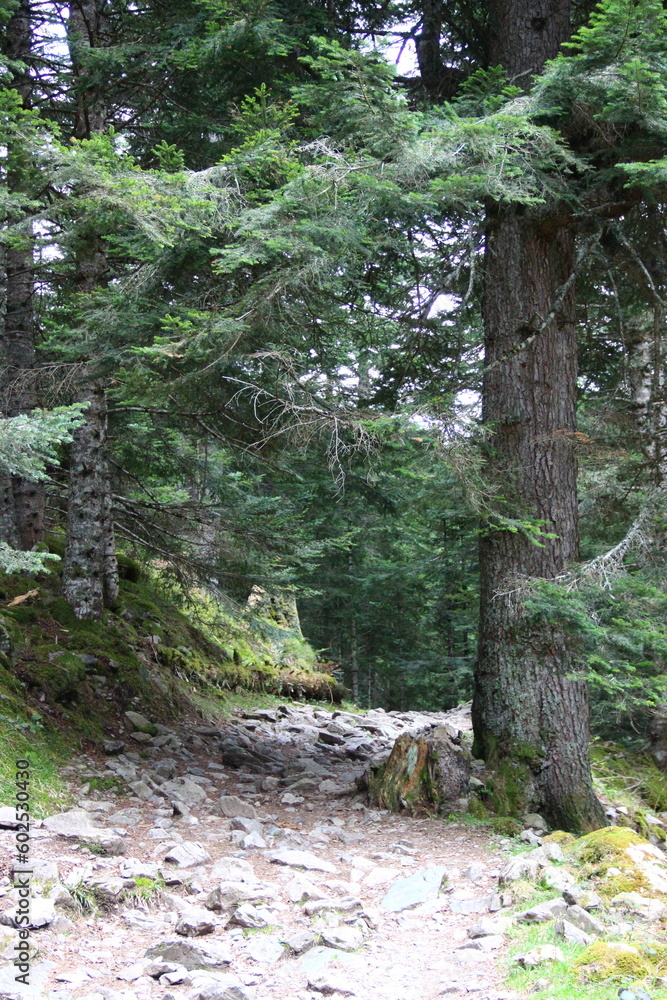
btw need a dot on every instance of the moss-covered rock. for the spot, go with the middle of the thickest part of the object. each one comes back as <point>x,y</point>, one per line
<point>559,837</point>
<point>612,962</point>
<point>619,860</point>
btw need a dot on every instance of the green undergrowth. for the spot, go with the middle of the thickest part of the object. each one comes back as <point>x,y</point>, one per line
<point>567,980</point>
<point>65,683</point>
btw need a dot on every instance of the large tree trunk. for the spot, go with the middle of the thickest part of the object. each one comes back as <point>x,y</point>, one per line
<point>22,508</point>
<point>530,710</point>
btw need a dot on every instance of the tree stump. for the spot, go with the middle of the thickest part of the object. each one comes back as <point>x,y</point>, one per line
<point>426,772</point>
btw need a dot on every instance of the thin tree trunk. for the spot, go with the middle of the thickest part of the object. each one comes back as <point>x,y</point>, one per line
<point>530,709</point>
<point>89,532</point>
<point>90,568</point>
<point>22,508</point>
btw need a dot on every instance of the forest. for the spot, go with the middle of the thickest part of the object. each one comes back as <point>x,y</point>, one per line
<point>361,305</point>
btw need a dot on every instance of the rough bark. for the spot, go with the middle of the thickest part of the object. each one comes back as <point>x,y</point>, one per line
<point>90,568</point>
<point>88,580</point>
<point>22,508</point>
<point>87,28</point>
<point>530,713</point>
<point>425,773</point>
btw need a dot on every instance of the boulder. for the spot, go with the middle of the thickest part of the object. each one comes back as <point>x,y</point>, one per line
<point>425,772</point>
<point>76,825</point>
<point>417,888</point>
<point>187,854</point>
<point>139,724</point>
<point>231,806</point>
<point>191,954</point>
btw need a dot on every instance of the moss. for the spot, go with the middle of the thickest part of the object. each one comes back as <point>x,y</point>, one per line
<point>604,962</point>
<point>603,857</point>
<point>606,844</point>
<point>559,837</point>
<point>477,808</point>
<point>506,826</point>
<point>508,786</point>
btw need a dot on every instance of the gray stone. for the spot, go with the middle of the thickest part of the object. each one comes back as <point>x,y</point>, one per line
<point>251,917</point>
<point>187,854</point>
<point>183,790</point>
<point>76,825</point>
<point>586,898</point>
<point>522,866</point>
<point>415,889</point>
<point>166,768</point>
<point>40,871</point>
<point>486,926</point>
<point>112,747</point>
<point>265,949</point>
<point>233,870</point>
<point>585,921</point>
<point>252,841</point>
<point>538,956</point>
<point>42,913</point>
<point>191,954</point>
<point>330,983</point>
<point>8,820</point>
<point>225,988</point>
<point>139,723</point>
<point>474,871</point>
<point>478,904</point>
<point>301,942</point>
<point>345,938</point>
<point>301,859</point>
<point>535,821</point>
<point>195,922</point>
<point>231,806</point>
<point>228,895</point>
<point>571,933</point>
<point>543,912</point>
<point>490,942</point>
<point>557,878</point>
<point>639,906</point>
<point>344,904</point>
<point>247,825</point>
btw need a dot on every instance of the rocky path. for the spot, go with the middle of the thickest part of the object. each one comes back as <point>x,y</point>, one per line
<point>279,881</point>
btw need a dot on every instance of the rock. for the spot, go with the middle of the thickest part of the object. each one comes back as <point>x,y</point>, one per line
<point>187,854</point>
<point>571,933</point>
<point>291,800</point>
<point>195,922</point>
<point>40,871</point>
<point>252,841</point>
<point>344,904</point>
<point>344,938</point>
<point>301,859</point>
<point>228,895</point>
<point>42,913</point>
<point>586,898</point>
<point>232,806</point>
<point>140,724</point>
<point>474,871</point>
<point>8,820</point>
<point>522,866</point>
<point>301,942</point>
<point>490,942</point>
<point>141,789</point>
<point>623,849</point>
<point>639,906</point>
<point>535,821</point>
<point>557,878</point>
<point>226,987</point>
<point>246,825</point>
<point>182,790</point>
<point>251,917</point>
<point>423,770</point>
<point>585,921</point>
<point>265,949</point>
<point>543,912</point>
<point>490,926</point>
<point>112,747</point>
<point>233,870</point>
<point>415,889</point>
<point>538,956</point>
<point>476,904</point>
<point>330,983</point>
<point>191,954</point>
<point>528,837</point>
<point>76,825</point>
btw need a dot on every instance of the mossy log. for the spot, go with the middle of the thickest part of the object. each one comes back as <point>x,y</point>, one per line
<point>426,772</point>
